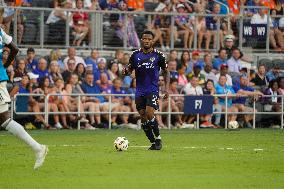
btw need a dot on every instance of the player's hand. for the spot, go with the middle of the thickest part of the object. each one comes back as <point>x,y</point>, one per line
<point>166,96</point>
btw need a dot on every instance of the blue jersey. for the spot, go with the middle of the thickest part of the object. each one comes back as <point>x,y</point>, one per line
<point>4,39</point>
<point>147,68</point>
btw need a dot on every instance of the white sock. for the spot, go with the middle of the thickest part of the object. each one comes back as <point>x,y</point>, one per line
<point>18,130</point>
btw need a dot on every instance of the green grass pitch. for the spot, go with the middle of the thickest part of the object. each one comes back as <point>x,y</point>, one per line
<point>189,159</point>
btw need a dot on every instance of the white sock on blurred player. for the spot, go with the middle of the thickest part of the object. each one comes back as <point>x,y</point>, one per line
<point>18,130</point>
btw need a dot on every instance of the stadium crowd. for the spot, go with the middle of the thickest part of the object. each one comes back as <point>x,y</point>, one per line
<point>193,72</point>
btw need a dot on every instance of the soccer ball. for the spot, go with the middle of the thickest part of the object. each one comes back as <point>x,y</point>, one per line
<point>233,125</point>
<point>121,144</point>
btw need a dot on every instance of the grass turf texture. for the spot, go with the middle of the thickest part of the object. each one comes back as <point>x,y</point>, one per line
<point>189,159</point>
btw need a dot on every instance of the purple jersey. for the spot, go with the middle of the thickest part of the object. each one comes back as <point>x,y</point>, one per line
<point>147,68</point>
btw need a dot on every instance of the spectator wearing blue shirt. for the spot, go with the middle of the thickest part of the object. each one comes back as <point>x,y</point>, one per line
<point>41,69</point>
<point>91,61</point>
<point>101,69</point>
<point>32,62</point>
<point>243,89</point>
<point>172,68</point>
<point>223,89</point>
<point>211,26</point>
<point>220,59</point>
<point>273,73</point>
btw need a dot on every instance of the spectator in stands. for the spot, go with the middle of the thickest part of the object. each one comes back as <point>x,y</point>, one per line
<point>41,69</point>
<point>73,87</point>
<point>172,68</point>
<point>57,22</point>
<point>185,60</point>
<point>224,72</point>
<point>55,55</point>
<point>208,73</point>
<point>71,66</point>
<point>220,59</point>
<point>92,61</point>
<point>211,26</point>
<point>94,5</point>
<point>20,70</point>
<point>101,69</point>
<point>27,103</point>
<point>229,45</point>
<point>197,73</point>
<point>182,25</point>
<point>223,89</point>
<point>200,24</point>
<point>132,37</point>
<point>275,35</point>
<point>113,71</point>
<point>45,88</point>
<point>80,70</point>
<point>193,87</point>
<point>54,71</point>
<point>173,55</point>
<point>61,103</point>
<point>207,59</point>
<point>177,102</point>
<point>89,87</point>
<point>260,78</point>
<point>80,23</point>
<point>243,89</point>
<point>72,54</point>
<point>124,102</point>
<point>272,103</point>
<point>273,74</point>
<point>281,85</point>
<point>209,89</point>
<point>31,60</point>
<point>182,80</point>
<point>234,63</point>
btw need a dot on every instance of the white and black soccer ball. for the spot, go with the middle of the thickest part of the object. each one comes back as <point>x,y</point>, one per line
<point>121,144</point>
<point>233,125</point>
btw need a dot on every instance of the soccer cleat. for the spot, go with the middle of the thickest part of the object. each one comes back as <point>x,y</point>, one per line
<point>40,156</point>
<point>158,144</point>
<point>152,147</point>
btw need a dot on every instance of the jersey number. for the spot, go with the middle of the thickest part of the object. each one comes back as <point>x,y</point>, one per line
<point>155,100</point>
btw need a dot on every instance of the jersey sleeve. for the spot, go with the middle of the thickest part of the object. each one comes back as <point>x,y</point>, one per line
<point>162,61</point>
<point>7,39</point>
<point>131,61</point>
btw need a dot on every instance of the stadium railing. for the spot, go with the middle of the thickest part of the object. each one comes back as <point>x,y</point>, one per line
<point>169,113</point>
<point>38,34</point>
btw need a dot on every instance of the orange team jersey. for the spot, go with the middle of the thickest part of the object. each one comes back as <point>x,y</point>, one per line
<point>234,6</point>
<point>18,2</point>
<point>135,4</point>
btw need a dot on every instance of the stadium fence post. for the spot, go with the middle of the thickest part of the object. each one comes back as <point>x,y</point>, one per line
<point>281,112</point>
<point>226,111</point>
<point>241,28</point>
<point>12,108</point>
<point>79,122</point>
<point>67,29</point>
<point>125,35</point>
<point>218,36</point>
<point>46,108</point>
<point>267,33</point>
<point>93,29</point>
<point>253,123</point>
<point>41,36</point>
<point>15,26</point>
<point>169,112</point>
<point>172,32</point>
<point>195,32</point>
<point>197,122</point>
<point>109,112</point>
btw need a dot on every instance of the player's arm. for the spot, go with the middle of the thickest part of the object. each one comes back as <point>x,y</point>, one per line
<point>164,66</point>
<point>12,55</point>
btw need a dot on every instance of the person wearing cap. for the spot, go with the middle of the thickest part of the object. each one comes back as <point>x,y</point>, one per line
<point>32,62</point>
<point>102,68</point>
<point>224,71</point>
<point>195,60</point>
<point>273,73</point>
<point>72,54</point>
<point>229,44</point>
<point>234,63</point>
<point>182,24</point>
<point>243,89</point>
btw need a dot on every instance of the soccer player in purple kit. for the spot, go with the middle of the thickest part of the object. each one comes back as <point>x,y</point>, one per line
<point>147,62</point>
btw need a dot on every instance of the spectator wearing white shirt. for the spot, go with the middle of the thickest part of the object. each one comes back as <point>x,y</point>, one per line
<point>275,35</point>
<point>234,63</point>
<point>72,55</point>
<point>224,71</point>
<point>193,88</point>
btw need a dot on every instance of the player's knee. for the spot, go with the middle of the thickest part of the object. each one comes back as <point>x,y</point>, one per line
<point>149,115</point>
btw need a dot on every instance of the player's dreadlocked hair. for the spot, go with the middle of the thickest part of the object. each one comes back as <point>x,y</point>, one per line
<point>148,32</point>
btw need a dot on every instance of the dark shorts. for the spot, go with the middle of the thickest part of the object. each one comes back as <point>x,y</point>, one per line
<point>151,100</point>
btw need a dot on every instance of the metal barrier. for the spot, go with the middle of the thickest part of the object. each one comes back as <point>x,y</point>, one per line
<point>38,33</point>
<point>169,112</point>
